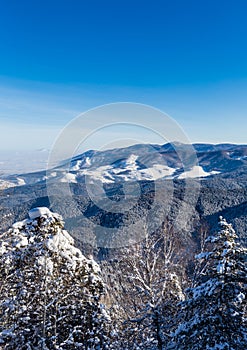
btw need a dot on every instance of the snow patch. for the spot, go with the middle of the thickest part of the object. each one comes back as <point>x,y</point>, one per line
<point>196,171</point>
<point>20,182</point>
<point>69,177</point>
<point>6,184</point>
<point>157,172</point>
<point>77,165</point>
<point>240,297</point>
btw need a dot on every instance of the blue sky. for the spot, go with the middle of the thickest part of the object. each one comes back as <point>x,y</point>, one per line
<point>60,58</point>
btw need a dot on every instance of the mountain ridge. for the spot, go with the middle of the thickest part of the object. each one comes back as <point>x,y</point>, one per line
<point>223,192</point>
<point>149,162</point>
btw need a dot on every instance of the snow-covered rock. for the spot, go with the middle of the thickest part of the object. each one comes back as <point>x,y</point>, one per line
<point>38,212</point>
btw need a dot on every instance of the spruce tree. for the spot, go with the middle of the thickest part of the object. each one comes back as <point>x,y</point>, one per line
<point>50,293</point>
<point>214,314</point>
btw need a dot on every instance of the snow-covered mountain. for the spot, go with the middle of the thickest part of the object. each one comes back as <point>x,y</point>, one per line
<point>221,169</point>
<point>132,169</point>
<point>141,162</point>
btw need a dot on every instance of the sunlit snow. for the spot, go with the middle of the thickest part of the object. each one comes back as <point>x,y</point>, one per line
<point>196,171</point>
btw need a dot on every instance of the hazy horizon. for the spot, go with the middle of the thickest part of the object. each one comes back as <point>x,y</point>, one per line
<point>24,161</point>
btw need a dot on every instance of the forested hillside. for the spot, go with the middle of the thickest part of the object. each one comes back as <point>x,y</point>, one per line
<point>150,295</point>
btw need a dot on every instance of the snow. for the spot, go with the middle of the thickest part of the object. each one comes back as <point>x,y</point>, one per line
<point>20,224</point>
<point>228,244</point>
<point>203,255</point>
<point>77,165</point>
<point>131,160</point>
<point>38,212</point>
<point>206,288</point>
<point>52,174</point>
<point>3,248</point>
<point>46,263</point>
<point>101,173</point>
<point>221,267</point>
<point>20,182</point>
<point>24,233</point>
<point>7,215</point>
<point>240,297</point>
<point>196,171</point>
<point>87,161</point>
<point>241,158</point>
<point>129,170</point>
<point>44,266</point>
<point>62,243</point>
<point>237,157</point>
<point>157,171</point>
<point>69,177</point>
<point>22,242</point>
<point>225,252</point>
<point>6,184</point>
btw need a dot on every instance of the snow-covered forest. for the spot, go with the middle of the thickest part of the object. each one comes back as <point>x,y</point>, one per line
<point>148,296</point>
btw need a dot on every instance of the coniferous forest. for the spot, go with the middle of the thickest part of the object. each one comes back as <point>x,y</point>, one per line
<point>149,295</point>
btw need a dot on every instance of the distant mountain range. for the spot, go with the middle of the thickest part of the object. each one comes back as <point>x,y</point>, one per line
<point>141,162</point>
<point>159,170</point>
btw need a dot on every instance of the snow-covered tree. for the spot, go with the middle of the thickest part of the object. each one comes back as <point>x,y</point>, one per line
<point>214,315</point>
<point>49,292</point>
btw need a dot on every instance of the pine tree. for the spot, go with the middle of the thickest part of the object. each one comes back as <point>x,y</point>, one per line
<point>49,292</point>
<point>214,314</point>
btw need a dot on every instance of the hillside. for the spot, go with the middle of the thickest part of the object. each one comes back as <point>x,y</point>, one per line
<point>111,192</point>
